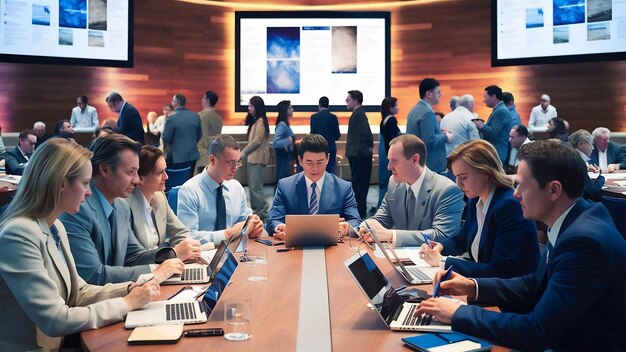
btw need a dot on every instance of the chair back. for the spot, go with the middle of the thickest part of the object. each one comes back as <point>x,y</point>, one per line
<point>177,177</point>
<point>172,199</point>
<point>617,209</point>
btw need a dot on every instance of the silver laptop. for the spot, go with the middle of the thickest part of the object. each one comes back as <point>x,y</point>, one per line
<point>411,273</point>
<point>396,311</point>
<point>186,312</point>
<point>311,230</point>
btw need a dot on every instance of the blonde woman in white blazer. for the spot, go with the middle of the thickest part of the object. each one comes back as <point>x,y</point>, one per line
<point>42,297</point>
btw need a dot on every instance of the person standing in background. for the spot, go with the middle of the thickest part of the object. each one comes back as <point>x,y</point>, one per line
<point>211,123</point>
<point>129,121</point>
<point>284,140</point>
<point>326,124</point>
<point>388,131</point>
<point>84,117</point>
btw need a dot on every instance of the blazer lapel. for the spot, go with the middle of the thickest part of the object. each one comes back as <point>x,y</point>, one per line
<point>59,264</point>
<point>101,220</point>
<point>399,197</point>
<point>160,214</point>
<point>327,194</point>
<point>423,198</point>
<point>301,193</point>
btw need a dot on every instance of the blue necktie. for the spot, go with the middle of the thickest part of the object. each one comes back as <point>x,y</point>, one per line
<point>55,236</point>
<point>220,220</point>
<point>313,206</point>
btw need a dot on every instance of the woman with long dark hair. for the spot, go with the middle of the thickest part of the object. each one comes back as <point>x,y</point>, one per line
<point>257,154</point>
<point>284,139</point>
<point>388,131</point>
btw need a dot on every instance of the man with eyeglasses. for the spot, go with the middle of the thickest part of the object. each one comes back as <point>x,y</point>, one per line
<point>213,204</point>
<point>313,191</point>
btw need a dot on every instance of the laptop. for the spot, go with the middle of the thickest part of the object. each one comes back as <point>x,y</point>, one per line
<point>186,312</point>
<point>396,311</point>
<point>411,273</point>
<point>311,230</point>
<point>196,273</point>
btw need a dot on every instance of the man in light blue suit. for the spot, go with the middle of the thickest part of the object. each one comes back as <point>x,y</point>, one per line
<point>422,122</point>
<point>294,194</point>
<point>418,200</point>
<point>496,130</point>
<point>575,299</point>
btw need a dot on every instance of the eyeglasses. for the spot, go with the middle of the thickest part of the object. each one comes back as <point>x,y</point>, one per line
<point>232,163</point>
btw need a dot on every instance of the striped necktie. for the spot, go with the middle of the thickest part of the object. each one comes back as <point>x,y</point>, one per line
<point>313,206</point>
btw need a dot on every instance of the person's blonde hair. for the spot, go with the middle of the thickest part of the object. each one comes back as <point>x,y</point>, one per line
<point>39,191</point>
<point>481,155</point>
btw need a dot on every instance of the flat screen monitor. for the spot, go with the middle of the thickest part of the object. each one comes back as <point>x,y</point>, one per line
<point>67,32</point>
<point>557,31</point>
<point>303,55</point>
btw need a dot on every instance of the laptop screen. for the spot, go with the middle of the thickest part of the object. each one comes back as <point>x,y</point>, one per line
<point>220,280</point>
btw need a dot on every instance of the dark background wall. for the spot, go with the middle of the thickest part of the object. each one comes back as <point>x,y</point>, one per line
<point>188,47</point>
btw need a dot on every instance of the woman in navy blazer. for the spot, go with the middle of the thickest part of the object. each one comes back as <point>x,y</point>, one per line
<point>508,244</point>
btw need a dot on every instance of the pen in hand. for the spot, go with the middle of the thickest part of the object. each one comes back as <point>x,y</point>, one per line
<point>427,240</point>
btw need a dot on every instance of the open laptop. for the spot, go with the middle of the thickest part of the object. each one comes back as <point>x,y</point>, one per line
<point>396,311</point>
<point>411,273</point>
<point>196,273</point>
<point>311,230</point>
<point>186,312</point>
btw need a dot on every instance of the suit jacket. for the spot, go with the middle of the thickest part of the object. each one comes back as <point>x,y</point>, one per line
<point>129,123</point>
<point>181,135</point>
<point>167,223</point>
<point>389,131</point>
<point>575,299</point>
<point>211,123</point>
<point>422,122</point>
<point>614,155</point>
<point>437,212</point>
<point>258,149</point>
<point>336,197</point>
<point>496,130</point>
<point>42,297</point>
<point>360,139</point>
<point>508,243</point>
<point>15,162</point>
<point>326,124</point>
<point>99,257</point>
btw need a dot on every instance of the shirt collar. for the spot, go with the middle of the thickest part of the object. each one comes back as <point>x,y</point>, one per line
<point>144,202</point>
<point>428,104</point>
<point>122,108</point>
<point>415,187</point>
<point>500,103</point>
<point>318,184</point>
<point>211,183</point>
<point>106,206</point>
<point>485,206</point>
<point>584,156</point>
<point>553,232</point>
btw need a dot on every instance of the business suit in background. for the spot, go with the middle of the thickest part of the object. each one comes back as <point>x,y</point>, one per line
<point>614,155</point>
<point>129,123</point>
<point>38,287</point>
<point>359,153</point>
<point>422,122</point>
<point>496,130</point>
<point>181,135</point>
<point>15,162</point>
<point>291,197</point>
<point>508,243</point>
<point>326,124</point>
<point>438,209</point>
<point>211,123</point>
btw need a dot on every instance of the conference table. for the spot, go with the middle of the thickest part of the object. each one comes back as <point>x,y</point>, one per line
<point>276,305</point>
<point>615,184</point>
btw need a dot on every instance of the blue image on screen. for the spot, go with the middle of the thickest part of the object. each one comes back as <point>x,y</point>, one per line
<point>283,42</point>
<point>73,13</point>
<point>41,15</point>
<point>568,11</point>
<point>283,76</point>
<point>534,18</point>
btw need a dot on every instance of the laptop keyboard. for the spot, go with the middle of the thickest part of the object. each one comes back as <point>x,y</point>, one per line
<point>192,274</point>
<point>180,311</point>
<point>411,320</point>
<point>417,273</point>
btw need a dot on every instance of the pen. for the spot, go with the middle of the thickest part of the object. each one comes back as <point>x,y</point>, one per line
<point>144,280</point>
<point>427,240</point>
<point>443,337</point>
<point>445,277</point>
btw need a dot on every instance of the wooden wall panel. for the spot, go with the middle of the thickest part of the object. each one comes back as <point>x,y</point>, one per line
<point>188,47</point>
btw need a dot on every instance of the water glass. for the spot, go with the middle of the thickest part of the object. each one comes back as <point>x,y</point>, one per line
<point>257,263</point>
<point>237,316</point>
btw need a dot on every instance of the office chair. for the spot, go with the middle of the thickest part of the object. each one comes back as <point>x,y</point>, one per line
<point>617,209</point>
<point>177,177</point>
<point>172,199</point>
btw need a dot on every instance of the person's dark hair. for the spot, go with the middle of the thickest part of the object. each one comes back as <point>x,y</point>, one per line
<point>494,90</point>
<point>114,97</point>
<point>550,160</point>
<point>559,127</point>
<point>411,145</point>
<point>312,143</point>
<point>427,84</point>
<point>508,98</point>
<point>108,150</point>
<point>211,97</point>
<point>221,142</point>
<point>283,114</point>
<point>25,132</point>
<point>58,126</point>
<point>440,114</point>
<point>386,105</point>
<point>180,99</point>
<point>521,130</point>
<point>148,157</point>
<point>83,99</point>
<point>104,129</point>
<point>324,102</point>
<point>356,95</point>
<point>168,105</point>
<point>260,112</point>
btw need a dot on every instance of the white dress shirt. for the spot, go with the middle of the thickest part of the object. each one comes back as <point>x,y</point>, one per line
<point>540,117</point>
<point>318,188</point>
<point>603,163</point>
<point>84,120</point>
<point>148,223</point>
<point>481,213</point>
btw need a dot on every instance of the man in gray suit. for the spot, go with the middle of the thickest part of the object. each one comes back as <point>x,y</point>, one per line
<point>211,123</point>
<point>181,134</point>
<point>418,200</point>
<point>422,122</point>
<point>500,122</point>
<point>102,241</point>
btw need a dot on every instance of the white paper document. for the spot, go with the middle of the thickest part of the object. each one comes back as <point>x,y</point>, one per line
<point>404,254</point>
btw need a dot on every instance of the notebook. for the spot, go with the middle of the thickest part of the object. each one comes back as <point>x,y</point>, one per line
<point>311,230</point>
<point>446,342</point>
<point>396,311</point>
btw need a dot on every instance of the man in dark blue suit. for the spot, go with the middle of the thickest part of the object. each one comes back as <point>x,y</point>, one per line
<point>606,154</point>
<point>325,123</point>
<point>575,299</point>
<point>17,158</point>
<point>181,135</point>
<point>294,194</point>
<point>129,121</point>
<point>499,123</point>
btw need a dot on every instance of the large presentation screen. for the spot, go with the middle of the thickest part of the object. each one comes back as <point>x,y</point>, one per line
<point>72,32</point>
<point>302,56</point>
<point>555,31</point>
